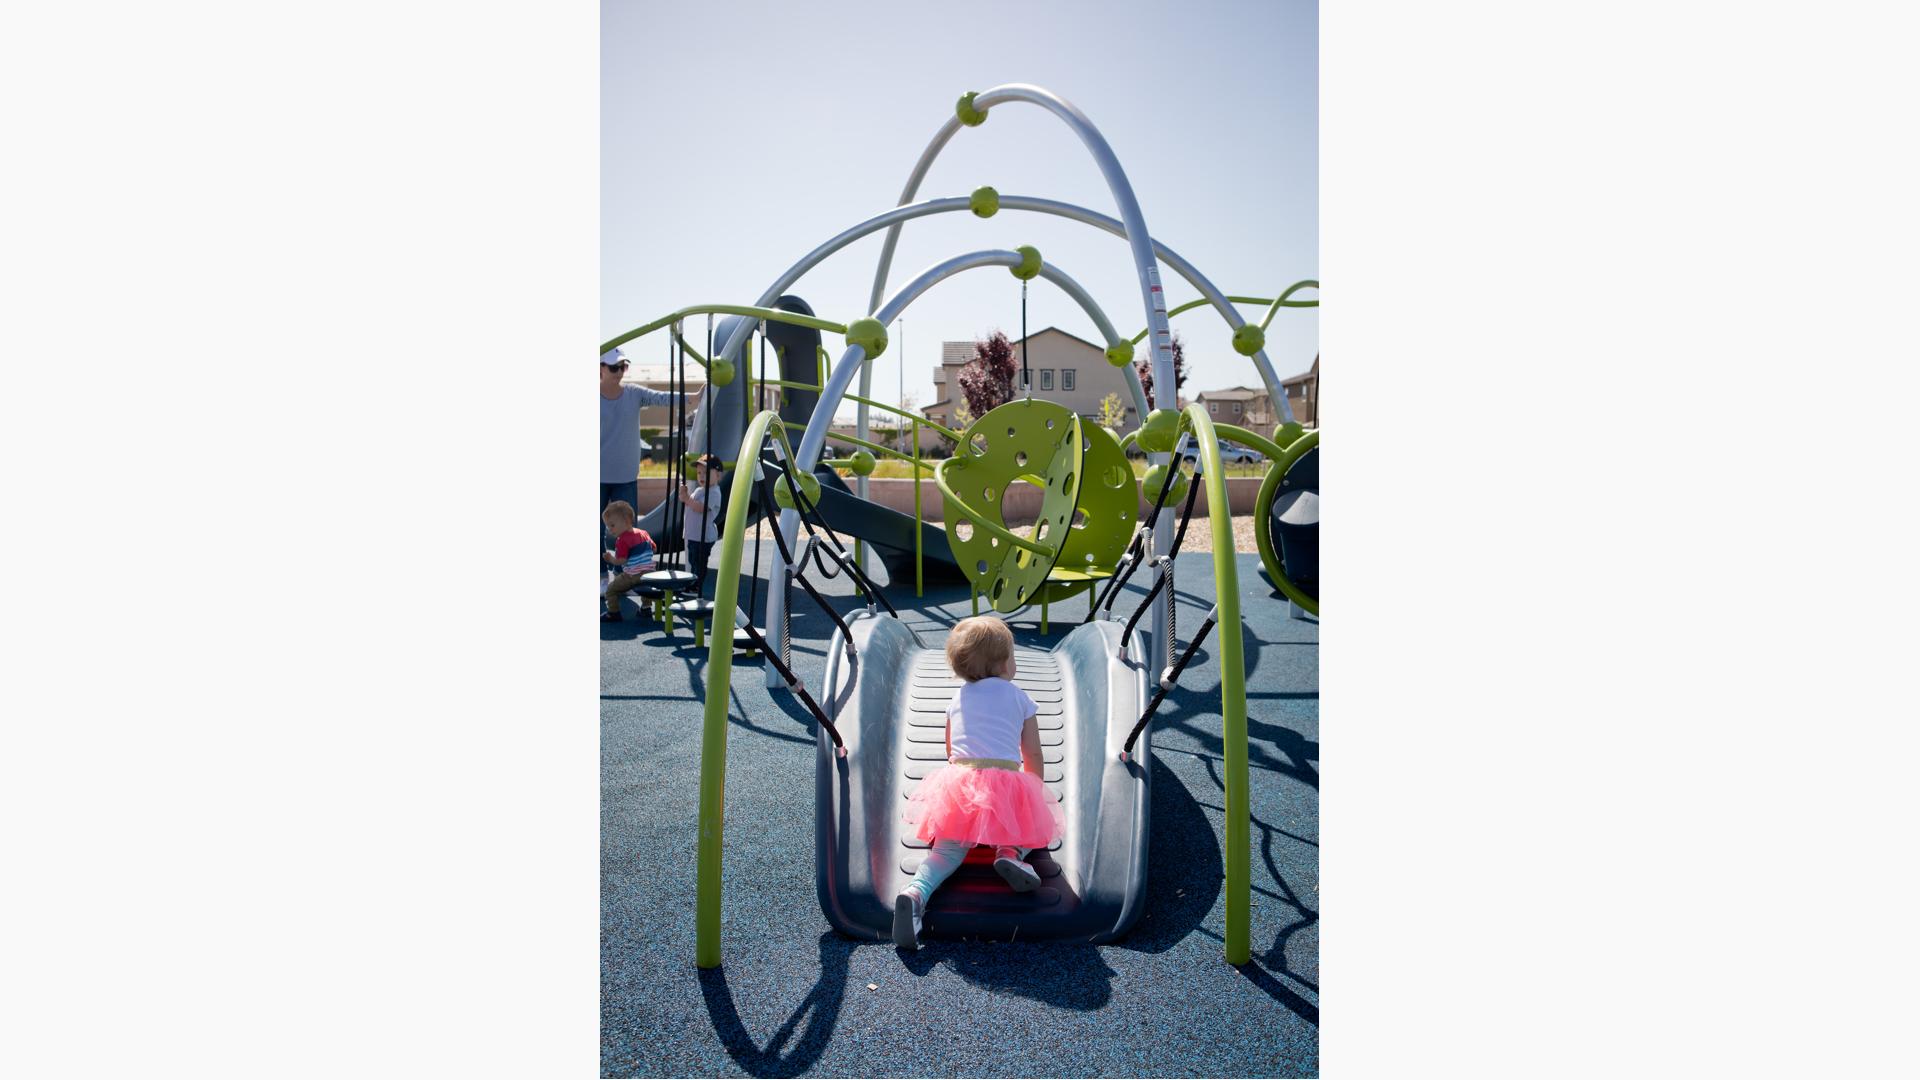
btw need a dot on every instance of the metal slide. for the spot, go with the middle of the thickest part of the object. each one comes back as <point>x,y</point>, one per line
<point>888,697</point>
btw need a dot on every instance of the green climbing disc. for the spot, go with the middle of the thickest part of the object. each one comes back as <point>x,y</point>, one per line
<point>1103,521</point>
<point>1020,442</point>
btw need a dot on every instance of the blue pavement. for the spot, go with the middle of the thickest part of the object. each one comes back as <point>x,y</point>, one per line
<point>791,997</point>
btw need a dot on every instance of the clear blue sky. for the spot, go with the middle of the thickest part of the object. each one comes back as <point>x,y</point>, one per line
<point>737,136</point>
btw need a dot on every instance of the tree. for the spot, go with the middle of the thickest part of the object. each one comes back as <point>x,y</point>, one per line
<point>987,379</point>
<point>1145,367</point>
<point>960,419</point>
<point>1113,412</point>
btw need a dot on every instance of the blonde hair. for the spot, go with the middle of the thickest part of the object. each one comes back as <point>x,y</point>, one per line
<point>979,648</point>
<point>619,508</point>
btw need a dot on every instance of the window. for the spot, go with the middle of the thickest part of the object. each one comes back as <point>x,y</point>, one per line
<point>1066,378</point>
<point>1046,378</point>
<point>1213,407</point>
<point>1236,408</point>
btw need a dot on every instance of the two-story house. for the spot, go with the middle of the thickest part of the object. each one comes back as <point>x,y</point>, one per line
<point>1252,408</point>
<point>1068,370</point>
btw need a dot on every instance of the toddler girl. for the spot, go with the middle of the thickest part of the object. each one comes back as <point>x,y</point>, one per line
<point>989,792</point>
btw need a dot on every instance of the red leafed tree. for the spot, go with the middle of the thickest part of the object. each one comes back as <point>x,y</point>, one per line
<point>987,379</point>
<point>1145,367</point>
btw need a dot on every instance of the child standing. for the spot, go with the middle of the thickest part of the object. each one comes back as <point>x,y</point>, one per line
<point>702,518</point>
<point>632,553</point>
<point>989,792</point>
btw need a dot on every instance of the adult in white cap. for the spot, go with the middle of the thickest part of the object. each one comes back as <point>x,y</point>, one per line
<point>620,406</point>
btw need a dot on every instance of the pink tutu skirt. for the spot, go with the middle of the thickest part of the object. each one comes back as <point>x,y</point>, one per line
<point>984,806</point>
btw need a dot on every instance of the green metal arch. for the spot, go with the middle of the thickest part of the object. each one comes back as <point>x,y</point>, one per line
<point>1233,691</point>
<point>1263,520</point>
<point>748,310</point>
<point>1275,305</point>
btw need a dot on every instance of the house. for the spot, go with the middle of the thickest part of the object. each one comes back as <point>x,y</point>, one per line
<point>1244,406</point>
<point>1303,393</point>
<point>1067,370</point>
<point>1252,408</point>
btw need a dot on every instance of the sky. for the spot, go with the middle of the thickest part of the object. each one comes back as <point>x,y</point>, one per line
<point>737,136</point>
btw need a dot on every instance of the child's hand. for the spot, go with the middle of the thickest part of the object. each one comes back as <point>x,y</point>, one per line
<point>1032,758</point>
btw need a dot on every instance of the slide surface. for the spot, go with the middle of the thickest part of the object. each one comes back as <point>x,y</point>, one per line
<point>889,697</point>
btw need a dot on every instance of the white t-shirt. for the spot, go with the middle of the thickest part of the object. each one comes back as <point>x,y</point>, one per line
<point>703,527</point>
<point>985,719</point>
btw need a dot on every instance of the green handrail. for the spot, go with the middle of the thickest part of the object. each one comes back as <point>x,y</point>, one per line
<point>1202,301</point>
<point>1259,442</point>
<point>979,521</point>
<point>877,448</point>
<point>1282,301</point>
<point>1233,692</point>
<point>916,418</point>
<point>713,730</point>
<point>1263,520</point>
<point>775,314</point>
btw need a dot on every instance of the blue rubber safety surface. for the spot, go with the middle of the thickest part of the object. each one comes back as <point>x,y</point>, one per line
<point>791,996</point>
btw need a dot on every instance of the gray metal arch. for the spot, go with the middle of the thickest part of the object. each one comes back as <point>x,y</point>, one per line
<point>853,361</point>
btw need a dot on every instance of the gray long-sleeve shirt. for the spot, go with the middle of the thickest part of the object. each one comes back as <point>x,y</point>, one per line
<point>620,431</point>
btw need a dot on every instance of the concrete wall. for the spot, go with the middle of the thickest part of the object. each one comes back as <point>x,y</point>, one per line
<point>1022,504</point>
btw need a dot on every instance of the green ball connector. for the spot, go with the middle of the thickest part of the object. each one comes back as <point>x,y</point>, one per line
<point>1160,432</point>
<point>1157,475</point>
<point>965,110</point>
<point>1248,339</point>
<point>720,372</point>
<point>1285,434</point>
<point>869,334</point>
<point>1120,354</point>
<point>984,202</point>
<point>1029,266</point>
<point>861,463</point>
<point>809,485</point>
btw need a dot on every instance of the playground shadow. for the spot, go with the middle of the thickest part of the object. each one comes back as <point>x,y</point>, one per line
<point>1066,975</point>
<point>820,1008</point>
<point>1186,874</point>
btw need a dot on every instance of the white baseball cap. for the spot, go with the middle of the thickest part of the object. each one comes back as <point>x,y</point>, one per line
<point>612,357</point>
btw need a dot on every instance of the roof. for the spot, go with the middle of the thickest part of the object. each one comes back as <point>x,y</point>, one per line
<point>1308,375</point>
<point>959,352</point>
<point>1232,393</point>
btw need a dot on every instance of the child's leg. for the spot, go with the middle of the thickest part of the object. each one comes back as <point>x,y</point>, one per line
<point>941,861</point>
<point>1012,866</point>
<point>621,584</point>
<point>697,553</point>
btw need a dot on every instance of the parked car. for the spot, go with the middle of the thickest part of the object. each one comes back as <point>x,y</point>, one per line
<point>1230,454</point>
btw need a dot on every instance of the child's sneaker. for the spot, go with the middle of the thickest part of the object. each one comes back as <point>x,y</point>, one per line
<point>1016,872</point>
<point>610,616</point>
<point>907,914</point>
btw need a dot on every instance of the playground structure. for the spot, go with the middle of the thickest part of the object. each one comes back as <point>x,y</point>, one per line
<point>885,690</point>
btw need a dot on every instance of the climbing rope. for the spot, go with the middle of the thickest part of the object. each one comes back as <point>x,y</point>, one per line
<point>745,462</point>
<point>1130,561</point>
<point>676,423</point>
<point>796,569</point>
<point>808,512</point>
<point>1164,563</point>
<point>1168,678</point>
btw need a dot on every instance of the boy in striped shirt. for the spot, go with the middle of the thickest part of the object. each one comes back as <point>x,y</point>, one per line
<point>632,553</point>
